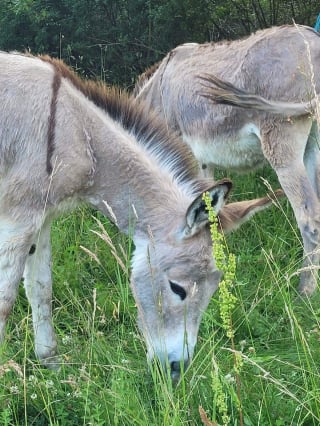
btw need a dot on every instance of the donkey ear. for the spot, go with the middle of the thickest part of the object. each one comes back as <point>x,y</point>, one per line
<point>233,215</point>
<point>197,215</point>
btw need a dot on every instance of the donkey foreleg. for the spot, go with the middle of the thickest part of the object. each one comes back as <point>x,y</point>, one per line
<point>38,286</point>
<point>14,245</point>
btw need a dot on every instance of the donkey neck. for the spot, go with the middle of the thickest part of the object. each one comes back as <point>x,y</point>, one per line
<point>130,185</point>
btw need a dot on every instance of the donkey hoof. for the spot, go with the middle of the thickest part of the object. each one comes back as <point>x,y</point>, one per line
<point>52,363</point>
<point>50,359</point>
<point>307,288</point>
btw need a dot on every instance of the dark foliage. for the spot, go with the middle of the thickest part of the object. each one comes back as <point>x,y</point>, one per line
<point>115,40</point>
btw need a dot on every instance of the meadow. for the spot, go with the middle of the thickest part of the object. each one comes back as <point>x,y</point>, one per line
<point>267,374</point>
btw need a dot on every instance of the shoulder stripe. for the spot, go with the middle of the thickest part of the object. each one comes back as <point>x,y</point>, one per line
<point>52,119</point>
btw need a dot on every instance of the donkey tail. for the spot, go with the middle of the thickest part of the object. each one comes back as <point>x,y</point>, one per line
<point>223,92</point>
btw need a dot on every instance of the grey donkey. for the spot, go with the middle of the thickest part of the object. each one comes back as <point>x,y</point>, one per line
<point>279,63</point>
<point>64,142</point>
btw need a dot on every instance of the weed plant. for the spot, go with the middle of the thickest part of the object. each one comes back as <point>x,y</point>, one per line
<point>266,372</point>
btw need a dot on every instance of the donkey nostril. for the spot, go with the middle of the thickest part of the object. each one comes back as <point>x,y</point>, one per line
<point>176,366</point>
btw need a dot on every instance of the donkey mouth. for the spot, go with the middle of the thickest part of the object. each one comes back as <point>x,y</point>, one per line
<point>167,368</point>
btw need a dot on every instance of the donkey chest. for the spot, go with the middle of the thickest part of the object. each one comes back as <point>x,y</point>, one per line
<point>240,151</point>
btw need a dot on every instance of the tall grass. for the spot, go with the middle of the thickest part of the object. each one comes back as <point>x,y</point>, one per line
<point>104,379</point>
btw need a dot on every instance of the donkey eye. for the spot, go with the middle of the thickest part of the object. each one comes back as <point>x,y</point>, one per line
<point>177,289</point>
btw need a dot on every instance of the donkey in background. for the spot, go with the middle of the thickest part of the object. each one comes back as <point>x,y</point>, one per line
<point>280,63</point>
<point>63,142</point>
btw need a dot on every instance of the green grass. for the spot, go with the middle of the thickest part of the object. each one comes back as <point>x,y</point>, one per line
<point>105,380</point>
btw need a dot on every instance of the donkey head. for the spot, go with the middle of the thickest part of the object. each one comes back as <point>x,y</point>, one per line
<point>174,276</point>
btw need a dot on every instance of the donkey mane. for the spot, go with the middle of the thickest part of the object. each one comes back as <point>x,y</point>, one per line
<point>145,76</point>
<point>148,130</point>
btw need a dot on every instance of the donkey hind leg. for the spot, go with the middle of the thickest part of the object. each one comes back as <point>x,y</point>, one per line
<point>312,158</point>
<point>306,207</point>
<point>14,246</point>
<point>287,159</point>
<point>38,286</point>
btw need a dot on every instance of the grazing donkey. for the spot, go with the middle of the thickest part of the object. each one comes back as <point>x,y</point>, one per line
<point>64,141</point>
<point>280,63</point>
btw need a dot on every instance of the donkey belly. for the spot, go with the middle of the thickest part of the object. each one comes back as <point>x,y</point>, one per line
<point>239,151</point>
